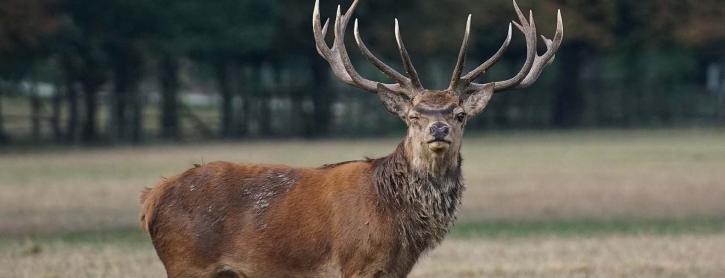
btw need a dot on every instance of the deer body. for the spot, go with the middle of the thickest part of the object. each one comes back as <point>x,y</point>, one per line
<point>370,218</point>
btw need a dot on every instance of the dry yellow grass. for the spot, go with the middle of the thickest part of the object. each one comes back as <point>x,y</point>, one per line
<point>29,260</point>
<point>605,256</point>
<point>661,174</point>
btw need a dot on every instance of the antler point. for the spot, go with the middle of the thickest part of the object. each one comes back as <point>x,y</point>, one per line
<point>516,6</point>
<point>558,16</point>
<point>324,27</point>
<point>316,11</point>
<point>468,25</point>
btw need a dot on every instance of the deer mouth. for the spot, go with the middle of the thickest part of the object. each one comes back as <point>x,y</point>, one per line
<point>438,145</point>
<point>444,141</point>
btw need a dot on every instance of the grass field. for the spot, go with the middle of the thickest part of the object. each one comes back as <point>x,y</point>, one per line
<point>637,203</point>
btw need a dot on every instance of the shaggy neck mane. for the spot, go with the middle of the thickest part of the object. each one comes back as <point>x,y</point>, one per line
<point>423,200</point>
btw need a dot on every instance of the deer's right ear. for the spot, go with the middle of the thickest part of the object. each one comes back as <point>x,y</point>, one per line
<point>395,102</point>
<point>478,99</point>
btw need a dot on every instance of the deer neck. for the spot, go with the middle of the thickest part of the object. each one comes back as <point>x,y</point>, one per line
<point>423,195</point>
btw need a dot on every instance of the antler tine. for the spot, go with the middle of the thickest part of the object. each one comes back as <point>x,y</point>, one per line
<point>339,60</point>
<point>337,55</point>
<point>324,34</point>
<point>458,70</point>
<point>319,33</point>
<point>410,85</point>
<point>540,62</point>
<point>389,71</point>
<point>534,64</point>
<point>483,68</point>
<point>529,30</point>
<point>407,63</point>
<point>340,26</point>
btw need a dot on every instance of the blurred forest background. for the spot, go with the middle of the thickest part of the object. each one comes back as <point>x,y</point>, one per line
<point>635,190</point>
<point>133,71</point>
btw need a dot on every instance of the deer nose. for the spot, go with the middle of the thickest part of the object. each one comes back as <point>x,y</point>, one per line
<point>439,130</point>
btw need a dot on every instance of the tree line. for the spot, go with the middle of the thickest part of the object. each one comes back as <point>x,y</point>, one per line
<point>114,68</point>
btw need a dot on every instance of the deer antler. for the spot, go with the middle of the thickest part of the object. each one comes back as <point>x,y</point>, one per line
<point>530,71</point>
<point>410,85</point>
<point>340,62</point>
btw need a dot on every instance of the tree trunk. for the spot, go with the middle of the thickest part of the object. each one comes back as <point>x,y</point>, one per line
<point>630,46</point>
<point>631,100</point>
<point>322,100</point>
<point>137,103</point>
<point>89,133</point>
<point>721,92</point>
<point>263,90</point>
<point>117,106</point>
<point>3,135</point>
<point>226,101</point>
<point>169,80</point>
<point>296,114</point>
<point>265,116</point>
<point>56,113</point>
<point>71,133</point>
<point>568,100</point>
<point>125,121</point>
<point>35,112</point>
<point>245,100</point>
<point>245,114</point>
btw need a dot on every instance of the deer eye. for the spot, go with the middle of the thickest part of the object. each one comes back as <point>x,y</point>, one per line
<point>414,117</point>
<point>461,116</point>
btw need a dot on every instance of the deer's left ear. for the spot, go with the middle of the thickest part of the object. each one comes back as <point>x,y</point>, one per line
<point>477,100</point>
<point>395,102</point>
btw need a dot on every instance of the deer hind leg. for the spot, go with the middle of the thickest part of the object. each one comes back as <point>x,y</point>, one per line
<point>222,272</point>
<point>186,273</point>
<point>227,272</point>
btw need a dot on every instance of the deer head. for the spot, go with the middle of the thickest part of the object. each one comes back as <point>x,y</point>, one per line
<point>435,118</point>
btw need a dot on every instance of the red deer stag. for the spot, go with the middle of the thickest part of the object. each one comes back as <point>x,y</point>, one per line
<point>367,218</point>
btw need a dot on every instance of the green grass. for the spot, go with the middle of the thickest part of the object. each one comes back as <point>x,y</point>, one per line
<point>129,236</point>
<point>588,227</point>
<point>133,236</point>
